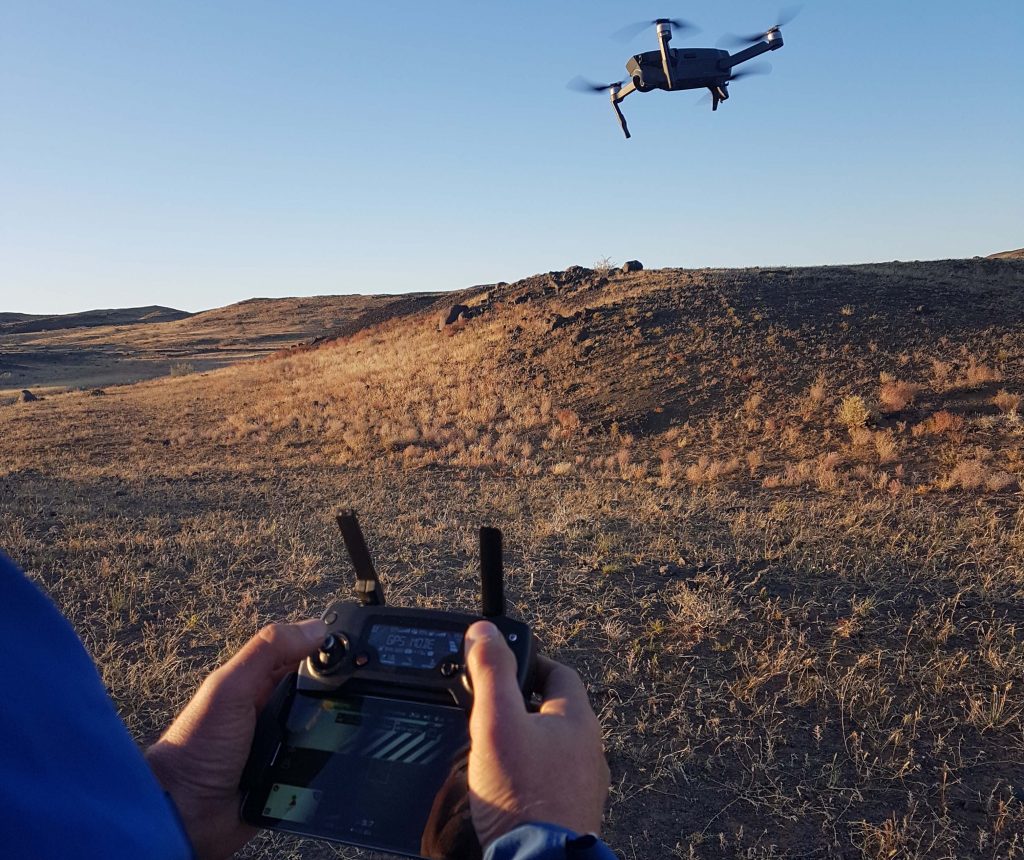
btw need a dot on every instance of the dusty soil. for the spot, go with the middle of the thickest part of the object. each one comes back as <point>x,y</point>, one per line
<point>774,517</point>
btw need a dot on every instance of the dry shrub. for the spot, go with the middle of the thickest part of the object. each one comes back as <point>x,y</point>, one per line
<point>853,411</point>
<point>828,479</point>
<point>666,473</point>
<point>707,471</point>
<point>1006,402</point>
<point>568,422</point>
<point>753,404</point>
<point>941,371</point>
<point>977,375</point>
<point>861,437</point>
<point>896,396</point>
<point>702,609</point>
<point>965,475</point>
<point>999,481</point>
<point>887,447</point>
<point>942,422</point>
<point>754,460</point>
<point>821,472</point>
<point>562,469</point>
<point>790,436</point>
<point>182,368</point>
<point>818,391</point>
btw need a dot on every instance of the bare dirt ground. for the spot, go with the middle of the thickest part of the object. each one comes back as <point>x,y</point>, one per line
<point>774,517</point>
<point>118,347</point>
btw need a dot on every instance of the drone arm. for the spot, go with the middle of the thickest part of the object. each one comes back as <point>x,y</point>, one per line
<point>623,91</point>
<point>749,53</point>
<point>617,96</point>
<point>663,39</point>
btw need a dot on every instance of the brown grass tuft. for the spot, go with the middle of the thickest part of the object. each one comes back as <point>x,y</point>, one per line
<point>853,411</point>
<point>979,374</point>
<point>970,474</point>
<point>1004,401</point>
<point>942,422</point>
<point>895,396</point>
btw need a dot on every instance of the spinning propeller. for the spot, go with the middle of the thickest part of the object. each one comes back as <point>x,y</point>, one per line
<point>785,16</point>
<point>631,31</point>
<point>582,85</point>
<point>756,69</point>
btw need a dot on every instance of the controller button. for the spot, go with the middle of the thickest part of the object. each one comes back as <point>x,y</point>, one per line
<point>362,659</point>
<point>512,637</point>
<point>330,617</point>
<point>449,668</point>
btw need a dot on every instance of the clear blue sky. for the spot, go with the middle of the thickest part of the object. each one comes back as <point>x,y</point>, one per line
<point>194,154</point>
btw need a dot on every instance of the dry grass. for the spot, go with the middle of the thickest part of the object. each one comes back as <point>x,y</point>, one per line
<point>895,396</point>
<point>1004,401</point>
<point>853,412</point>
<point>800,628</point>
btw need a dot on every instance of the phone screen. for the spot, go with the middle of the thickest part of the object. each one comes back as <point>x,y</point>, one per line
<point>367,771</point>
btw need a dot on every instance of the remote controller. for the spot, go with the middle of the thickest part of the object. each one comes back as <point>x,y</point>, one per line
<point>366,744</point>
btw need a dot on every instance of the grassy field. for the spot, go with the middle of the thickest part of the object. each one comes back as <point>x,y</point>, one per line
<point>772,516</point>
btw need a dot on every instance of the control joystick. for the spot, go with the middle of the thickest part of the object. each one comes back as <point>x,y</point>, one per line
<point>332,651</point>
<point>365,744</point>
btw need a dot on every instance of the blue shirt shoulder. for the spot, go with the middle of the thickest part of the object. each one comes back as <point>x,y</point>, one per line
<point>73,783</point>
<point>536,841</point>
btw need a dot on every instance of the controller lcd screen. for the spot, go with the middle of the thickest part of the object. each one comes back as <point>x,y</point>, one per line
<point>413,647</point>
<point>366,771</point>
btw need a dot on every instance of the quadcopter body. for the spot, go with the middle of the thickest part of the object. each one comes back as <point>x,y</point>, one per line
<point>674,69</point>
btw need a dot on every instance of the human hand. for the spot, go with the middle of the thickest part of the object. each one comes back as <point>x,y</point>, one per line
<point>199,759</point>
<point>545,767</point>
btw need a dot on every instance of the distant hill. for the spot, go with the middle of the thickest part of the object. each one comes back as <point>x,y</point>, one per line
<point>106,347</point>
<point>13,318</point>
<point>11,323</point>
<point>1008,255</point>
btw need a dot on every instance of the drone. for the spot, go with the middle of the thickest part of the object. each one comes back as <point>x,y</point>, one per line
<point>675,69</point>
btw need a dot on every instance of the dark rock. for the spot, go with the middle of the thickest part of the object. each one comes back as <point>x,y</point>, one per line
<point>97,392</point>
<point>632,266</point>
<point>453,314</point>
<point>27,396</point>
<point>557,321</point>
<point>521,299</point>
<point>574,273</point>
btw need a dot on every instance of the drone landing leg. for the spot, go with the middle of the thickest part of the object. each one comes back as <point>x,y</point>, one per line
<point>622,119</point>
<point>617,96</point>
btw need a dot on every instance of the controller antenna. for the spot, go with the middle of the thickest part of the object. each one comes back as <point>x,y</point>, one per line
<point>368,587</point>
<point>492,573</point>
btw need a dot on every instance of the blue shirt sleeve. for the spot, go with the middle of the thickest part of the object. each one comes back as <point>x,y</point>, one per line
<point>538,841</point>
<point>72,781</point>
